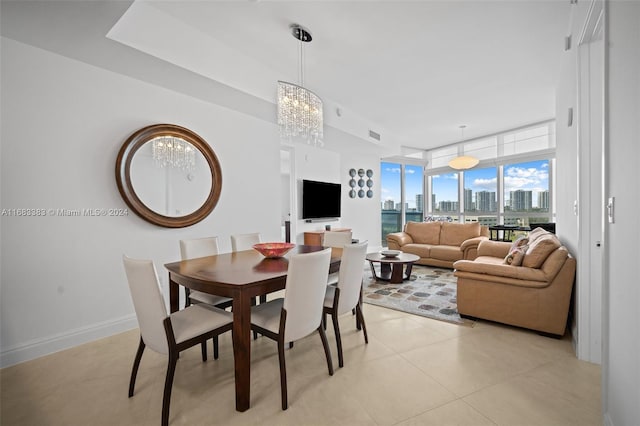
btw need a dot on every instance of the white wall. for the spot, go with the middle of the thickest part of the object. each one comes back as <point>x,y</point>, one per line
<point>361,215</point>
<point>621,368</point>
<point>63,122</point>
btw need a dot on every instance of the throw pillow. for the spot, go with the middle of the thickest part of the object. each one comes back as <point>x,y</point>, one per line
<point>516,256</point>
<point>521,241</point>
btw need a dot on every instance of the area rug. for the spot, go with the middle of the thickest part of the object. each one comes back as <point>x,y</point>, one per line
<point>430,292</point>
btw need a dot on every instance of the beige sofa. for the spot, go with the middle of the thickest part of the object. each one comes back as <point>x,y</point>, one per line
<point>534,295</point>
<point>439,243</point>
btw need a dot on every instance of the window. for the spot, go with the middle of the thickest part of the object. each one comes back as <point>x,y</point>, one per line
<point>480,195</point>
<point>526,193</point>
<point>414,193</point>
<point>444,197</point>
<point>512,185</point>
<point>391,194</point>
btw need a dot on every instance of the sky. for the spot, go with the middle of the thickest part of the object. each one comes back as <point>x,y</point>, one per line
<point>531,175</point>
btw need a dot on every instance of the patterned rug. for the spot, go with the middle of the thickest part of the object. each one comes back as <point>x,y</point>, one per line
<point>430,292</point>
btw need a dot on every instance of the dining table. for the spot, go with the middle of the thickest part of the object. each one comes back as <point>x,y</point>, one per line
<point>242,276</point>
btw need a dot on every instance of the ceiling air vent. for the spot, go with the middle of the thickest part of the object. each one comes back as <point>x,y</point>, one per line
<point>374,135</point>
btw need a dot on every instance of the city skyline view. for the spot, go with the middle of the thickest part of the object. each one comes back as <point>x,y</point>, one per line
<point>527,176</point>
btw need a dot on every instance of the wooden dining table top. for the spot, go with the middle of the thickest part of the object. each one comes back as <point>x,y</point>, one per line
<point>242,267</point>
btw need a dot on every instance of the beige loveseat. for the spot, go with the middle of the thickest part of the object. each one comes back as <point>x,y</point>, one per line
<point>439,243</point>
<point>534,295</point>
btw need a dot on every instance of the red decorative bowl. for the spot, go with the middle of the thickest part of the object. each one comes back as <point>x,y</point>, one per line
<point>271,250</point>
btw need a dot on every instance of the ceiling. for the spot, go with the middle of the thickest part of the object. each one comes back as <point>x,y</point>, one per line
<point>413,71</point>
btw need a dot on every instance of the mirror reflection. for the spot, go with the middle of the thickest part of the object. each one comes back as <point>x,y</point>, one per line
<point>170,176</point>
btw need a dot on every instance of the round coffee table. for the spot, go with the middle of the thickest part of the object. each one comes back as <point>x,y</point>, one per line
<point>391,267</point>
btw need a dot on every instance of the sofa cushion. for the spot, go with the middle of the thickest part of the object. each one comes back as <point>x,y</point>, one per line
<point>422,250</point>
<point>424,232</point>
<point>454,234</point>
<point>448,253</point>
<point>494,248</point>
<point>539,250</point>
<point>494,267</point>
<point>554,262</point>
<point>537,232</point>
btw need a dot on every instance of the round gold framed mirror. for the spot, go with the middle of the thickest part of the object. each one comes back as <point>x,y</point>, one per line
<point>168,175</point>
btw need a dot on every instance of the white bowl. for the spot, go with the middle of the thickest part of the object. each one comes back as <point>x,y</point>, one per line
<point>390,253</point>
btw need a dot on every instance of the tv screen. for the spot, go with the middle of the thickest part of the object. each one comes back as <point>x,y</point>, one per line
<point>320,200</point>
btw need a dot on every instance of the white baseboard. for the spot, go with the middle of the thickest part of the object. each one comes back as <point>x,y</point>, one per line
<point>40,347</point>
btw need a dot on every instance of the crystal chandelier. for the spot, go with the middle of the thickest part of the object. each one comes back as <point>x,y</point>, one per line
<point>174,152</point>
<point>299,109</point>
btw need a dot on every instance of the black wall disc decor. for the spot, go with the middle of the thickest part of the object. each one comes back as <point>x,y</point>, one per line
<point>365,178</point>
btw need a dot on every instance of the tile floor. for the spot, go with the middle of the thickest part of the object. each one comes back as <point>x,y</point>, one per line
<point>414,371</point>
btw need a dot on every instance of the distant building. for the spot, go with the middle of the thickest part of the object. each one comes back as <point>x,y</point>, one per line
<point>419,202</point>
<point>486,201</point>
<point>388,205</point>
<point>468,200</point>
<point>488,220</point>
<point>448,206</point>
<point>543,200</point>
<point>512,221</point>
<point>521,200</point>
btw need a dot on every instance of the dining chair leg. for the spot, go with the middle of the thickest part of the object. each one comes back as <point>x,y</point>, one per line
<point>136,364</point>
<point>360,316</point>
<point>327,353</point>
<point>358,325</point>
<point>336,329</point>
<point>168,383</point>
<point>283,373</point>
<point>324,320</point>
<point>203,347</point>
<point>187,298</point>
<point>215,347</point>
<point>254,302</point>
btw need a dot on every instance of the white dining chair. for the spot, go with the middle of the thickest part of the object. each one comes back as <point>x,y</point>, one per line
<point>335,239</point>
<point>345,295</point>
<point>202,247</point>
<point>240,242</point>
<point>300,312</point>
<point>168,334</point>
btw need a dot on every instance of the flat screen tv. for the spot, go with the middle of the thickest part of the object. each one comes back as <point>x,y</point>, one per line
<point>320,200</point>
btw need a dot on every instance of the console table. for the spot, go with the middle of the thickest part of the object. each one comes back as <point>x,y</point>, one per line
<point>315,238</point>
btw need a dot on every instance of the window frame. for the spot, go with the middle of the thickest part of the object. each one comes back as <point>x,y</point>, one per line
<point>499,163</point>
